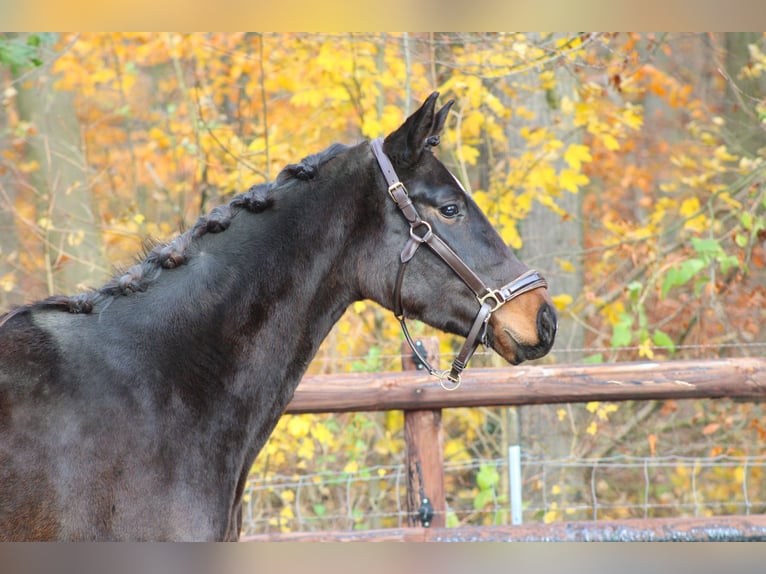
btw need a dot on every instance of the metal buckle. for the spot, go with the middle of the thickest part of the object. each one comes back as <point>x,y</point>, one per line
<point>494,294</point>
<point>393,187</point>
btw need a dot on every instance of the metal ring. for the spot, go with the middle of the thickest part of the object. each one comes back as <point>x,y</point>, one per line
<point>445,376</point>
<point>426,236</point>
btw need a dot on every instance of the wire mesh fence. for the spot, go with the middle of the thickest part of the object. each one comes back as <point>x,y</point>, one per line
<point>621,486</point>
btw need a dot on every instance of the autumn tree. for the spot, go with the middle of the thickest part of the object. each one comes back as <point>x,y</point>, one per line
<point>628,167</point>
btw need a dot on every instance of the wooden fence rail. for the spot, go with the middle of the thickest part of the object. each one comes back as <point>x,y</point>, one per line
<point>421,398</point>
<point>709,529</point>
<point>741,378</point>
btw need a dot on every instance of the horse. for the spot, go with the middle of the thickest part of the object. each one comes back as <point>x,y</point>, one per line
<point>135,411</point>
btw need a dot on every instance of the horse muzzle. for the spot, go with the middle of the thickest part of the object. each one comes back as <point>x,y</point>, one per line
<point>517,339</point>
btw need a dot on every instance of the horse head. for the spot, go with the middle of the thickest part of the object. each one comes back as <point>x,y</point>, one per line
<point>469,282</point>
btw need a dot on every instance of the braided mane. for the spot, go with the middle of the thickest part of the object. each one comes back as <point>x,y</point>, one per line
<point>170,255</point>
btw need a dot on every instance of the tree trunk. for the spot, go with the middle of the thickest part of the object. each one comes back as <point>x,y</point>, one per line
<point>10,294</point>
<point>547,237</point>
<point>67,225</point>
<point>742,94</point>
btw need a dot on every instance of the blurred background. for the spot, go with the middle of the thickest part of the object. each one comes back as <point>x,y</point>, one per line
<point>627,167</point>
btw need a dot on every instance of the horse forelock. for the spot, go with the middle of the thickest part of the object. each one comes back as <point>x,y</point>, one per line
<point>159,256</point>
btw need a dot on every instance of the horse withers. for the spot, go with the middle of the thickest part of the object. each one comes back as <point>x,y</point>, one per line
<point>135,411</point>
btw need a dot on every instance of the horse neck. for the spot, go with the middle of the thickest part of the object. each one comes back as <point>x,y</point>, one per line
<point>253,303</point>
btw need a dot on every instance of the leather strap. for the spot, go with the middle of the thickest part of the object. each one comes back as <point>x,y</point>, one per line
<point>421,232</point>
<point>400,196</point>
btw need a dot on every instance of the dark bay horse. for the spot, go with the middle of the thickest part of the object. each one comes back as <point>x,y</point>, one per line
<point>135,411</point>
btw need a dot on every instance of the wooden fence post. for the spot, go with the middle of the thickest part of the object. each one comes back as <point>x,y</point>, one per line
<point>425,450</point>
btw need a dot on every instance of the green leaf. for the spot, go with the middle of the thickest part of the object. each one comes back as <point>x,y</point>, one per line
<point>634,290</point>
<point>487,477</point>
<point>452,520</point>
<point>596,359</point>
<point>728,262</point>
<point>482,499</point>
<point>682,274</point>
<point>708,247</point>
<point>622,334</point>
<point>741,240</point>
<point>320,510</point>
<point>662,339</point>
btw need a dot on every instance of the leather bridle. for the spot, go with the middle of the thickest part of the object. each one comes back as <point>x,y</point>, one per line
<point>490,300</point>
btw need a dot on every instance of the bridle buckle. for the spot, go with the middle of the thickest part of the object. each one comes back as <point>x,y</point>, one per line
<point>393,187</point>
<point>493,295</point>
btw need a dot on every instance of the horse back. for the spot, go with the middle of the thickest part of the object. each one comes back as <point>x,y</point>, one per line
<point>29,364</point>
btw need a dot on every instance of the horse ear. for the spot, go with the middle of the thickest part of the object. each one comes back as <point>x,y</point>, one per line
<point>406,144</point>
<point>441,118</point>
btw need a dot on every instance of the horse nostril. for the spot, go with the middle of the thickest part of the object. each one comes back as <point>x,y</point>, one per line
<point>547,324</point>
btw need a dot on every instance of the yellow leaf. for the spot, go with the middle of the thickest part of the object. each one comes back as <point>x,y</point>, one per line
<point>306,449</point>
<point>592,428</point>
<point>632,117</point>
<point>552,515</point>
<point>645,349</point>
<point>562,414</point>
<point>572,180</point>
<point>547,80</point>
<point>472,124</point>
<point>592,406</point>
<point>298,426</point>
<point>610,142</point>
<point>287,496</point>
<point>562,301</point>
<point>8,282</point>
<point>29,166</point>
<point>75,238</point>
<point>721,154</point>
<point>548,202</point>
<point>604,411</point>
<point>469,154</point>
<point>725,197</point>
<point>351,467</point>
<point>359,306</point>
<point>565,265</point>
<point>613,311</point>
<point>321,434</point>
<point>690,206</point>
<point>555,489</point>
<point>576,155</point>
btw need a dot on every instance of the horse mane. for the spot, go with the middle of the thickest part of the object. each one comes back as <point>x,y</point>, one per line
<point>157,257</point>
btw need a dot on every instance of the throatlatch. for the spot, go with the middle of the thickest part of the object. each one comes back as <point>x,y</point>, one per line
<point>490,300</point>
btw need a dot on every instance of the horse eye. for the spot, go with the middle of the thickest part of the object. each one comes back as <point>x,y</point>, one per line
<point>449,211</point>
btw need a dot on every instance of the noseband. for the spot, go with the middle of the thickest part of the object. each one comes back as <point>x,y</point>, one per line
<point>490,300</point>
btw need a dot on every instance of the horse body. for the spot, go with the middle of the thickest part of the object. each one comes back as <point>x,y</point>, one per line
<point>139,418</point>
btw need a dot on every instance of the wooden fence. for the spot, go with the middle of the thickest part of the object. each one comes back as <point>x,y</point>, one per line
<point>422,400</point>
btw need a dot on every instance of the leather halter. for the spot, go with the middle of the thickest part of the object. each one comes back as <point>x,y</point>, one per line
<point>490,300</point>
